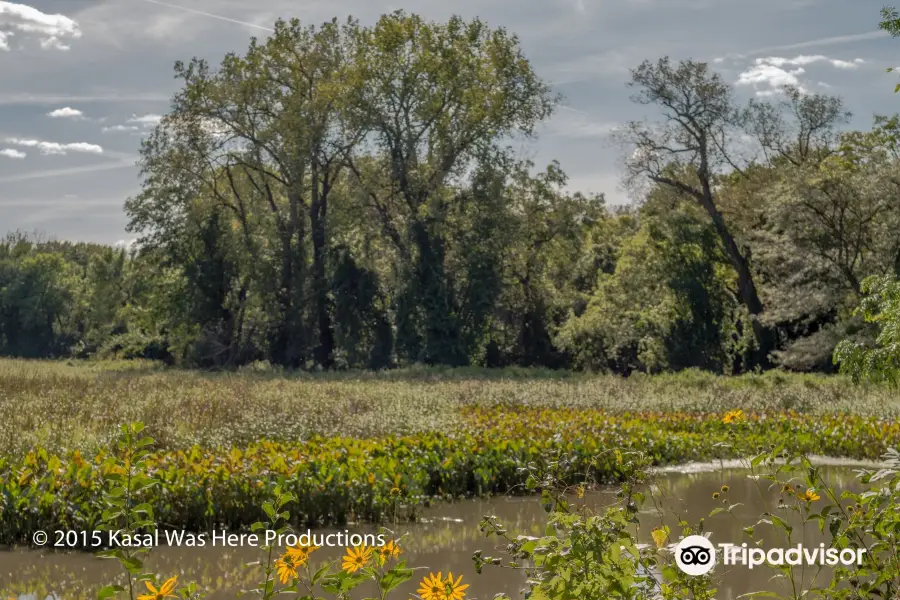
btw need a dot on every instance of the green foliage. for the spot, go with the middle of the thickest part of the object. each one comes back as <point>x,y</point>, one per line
<point>64,406</point>
<point>583,553</point>
<point>587,554</point>
<point>126,479</point>
<point>666,305</point>
<point>880,306</point>
<point>125,485</point>
<point>294,212</point>
<point>58,299</point>
<point>857,522</point>
<point>338,479</point>
<point>890,22</point>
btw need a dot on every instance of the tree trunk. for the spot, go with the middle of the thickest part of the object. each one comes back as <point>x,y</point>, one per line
<point>290,336</point>
<point>318,209</point>
<point>765,337</point>
<point>443,338</point>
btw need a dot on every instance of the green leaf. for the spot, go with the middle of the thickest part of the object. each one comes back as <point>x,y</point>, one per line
<point>395,577</point>
<point>109,591</point>
<point>343,582</point>
<point>321,572</point>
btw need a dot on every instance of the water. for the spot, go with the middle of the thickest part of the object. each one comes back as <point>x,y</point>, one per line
<point>450,535</point>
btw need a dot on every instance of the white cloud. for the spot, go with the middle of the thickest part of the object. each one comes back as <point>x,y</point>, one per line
<point>66,113</point>
<point>769,74</point>
<point>808,60</point>
<point>83,147</point>
<point>56,148</point>
<point>215,128</point>
<point>124,243</point>
<point>796,61</point>
<point>51,30</point>
<point>12,153</point>
<point>846,64</point>
<point>118,128</point>
<point>146,120</point>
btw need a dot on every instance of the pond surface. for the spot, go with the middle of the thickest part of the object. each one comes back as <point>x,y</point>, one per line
<point>449,536</point>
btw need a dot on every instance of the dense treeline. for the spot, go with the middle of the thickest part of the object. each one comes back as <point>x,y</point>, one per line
<point>347,197</point>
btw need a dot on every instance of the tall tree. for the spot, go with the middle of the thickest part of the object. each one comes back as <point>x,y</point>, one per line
<point>437,97</point>
<point>265,137</point>
<point>845,210</point>
<point>310,73</point>
<point>688,150</point>
<point>798,129</point>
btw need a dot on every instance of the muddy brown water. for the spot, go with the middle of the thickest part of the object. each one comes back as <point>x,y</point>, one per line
<point>449,535</point>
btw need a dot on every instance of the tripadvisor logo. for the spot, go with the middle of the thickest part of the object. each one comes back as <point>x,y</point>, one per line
<point>695,555</point>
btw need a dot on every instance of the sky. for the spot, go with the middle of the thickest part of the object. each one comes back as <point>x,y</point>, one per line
<point>81,81</point>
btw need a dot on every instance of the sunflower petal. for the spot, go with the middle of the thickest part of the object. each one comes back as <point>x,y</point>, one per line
<point>168,587</point>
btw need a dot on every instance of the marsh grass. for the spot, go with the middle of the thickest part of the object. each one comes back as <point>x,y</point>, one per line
<point>74,405</point>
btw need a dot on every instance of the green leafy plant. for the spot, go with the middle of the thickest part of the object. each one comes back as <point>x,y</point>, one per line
<point>129,519</point>
<point>585,554</point>
<point>881,363</point>
<point>388,480</point>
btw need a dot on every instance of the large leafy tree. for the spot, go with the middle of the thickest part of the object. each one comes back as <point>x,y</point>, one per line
<point>265,138</point>
<point>705,144</point>
<point>438,99</point>
<point>406,108</point>
<point>688,149</point>
<point>667,302</point>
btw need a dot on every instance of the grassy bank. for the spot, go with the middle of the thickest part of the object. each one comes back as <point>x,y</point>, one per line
<point>375,448</point>
<point>61,407</point>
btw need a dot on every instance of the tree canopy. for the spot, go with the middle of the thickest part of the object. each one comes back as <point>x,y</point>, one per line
<point>350,196</point>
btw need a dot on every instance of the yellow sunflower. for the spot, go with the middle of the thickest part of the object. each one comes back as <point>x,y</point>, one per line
<point>388,551</point>
<point>454,590</point>
<point>286,567</point>
<point>300,553</point>
<point>733,416</point>
<point>163,592</point>
<point>809,495</point>
<point>356,558</point>
<point>432,588</point>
